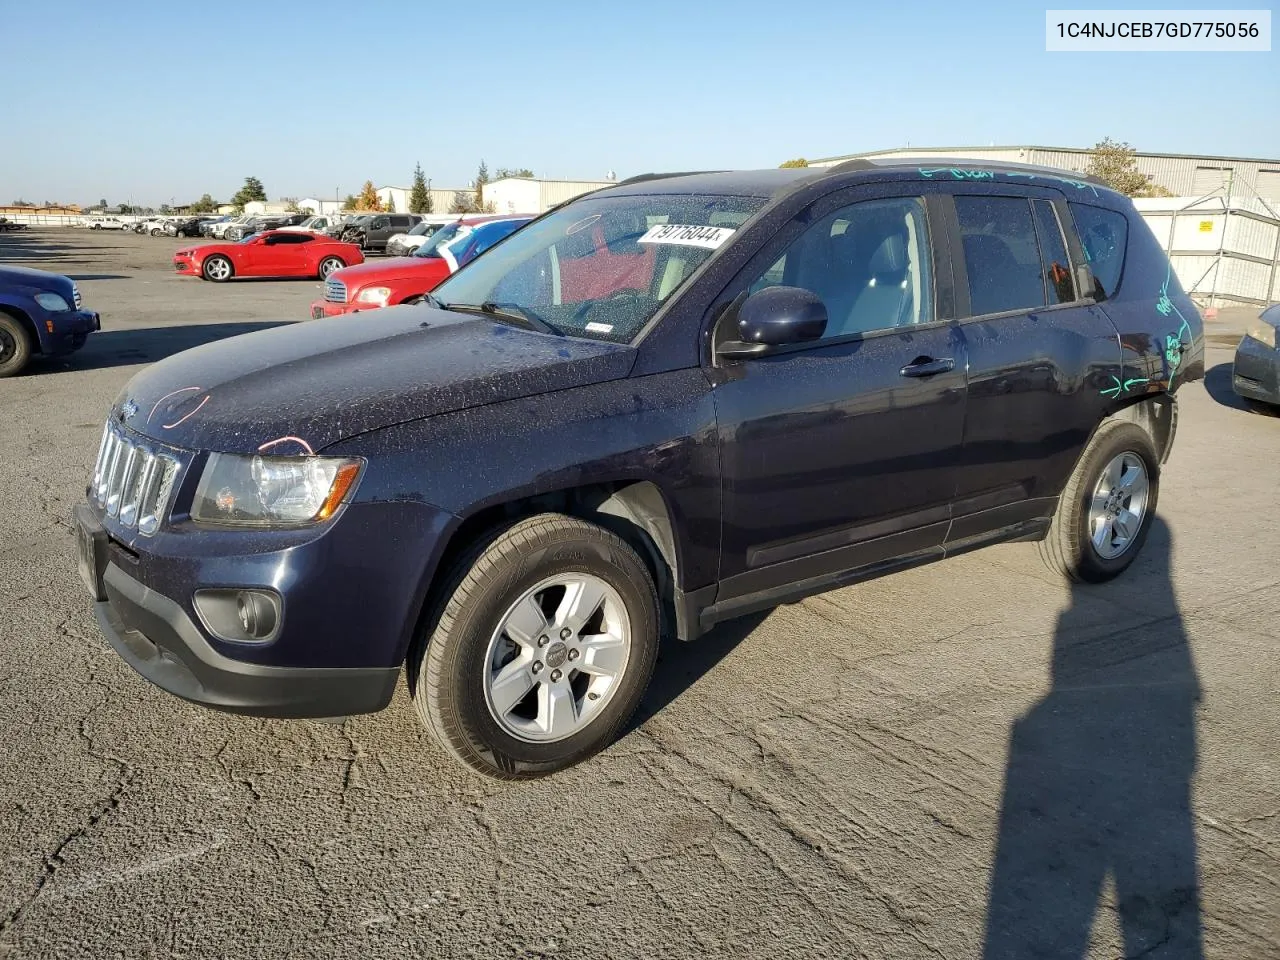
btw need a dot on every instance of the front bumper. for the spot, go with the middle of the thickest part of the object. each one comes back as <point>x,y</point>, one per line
<point>62,333</point>
<point>1256,371</point>
<point>162,641</point>
<point>325,308</point>
<point>185,267</point>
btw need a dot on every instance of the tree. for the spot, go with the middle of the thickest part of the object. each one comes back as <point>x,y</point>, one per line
<point>103,203</point>
<point>290,204</point>
<point>368,199</point>
<point>165,208</point>
<point>1116,164</point>
<point>512,172</point>
<point>350,202</point>
<point>206,204</point>
<point>464,201</point>
<point>797,162</point>
<point>419,195</point>
<point>389,204</point>
<point>252,190</point>
<point>482,178</point>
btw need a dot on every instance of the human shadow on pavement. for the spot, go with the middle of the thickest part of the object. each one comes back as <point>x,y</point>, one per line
<point>1098,785</point>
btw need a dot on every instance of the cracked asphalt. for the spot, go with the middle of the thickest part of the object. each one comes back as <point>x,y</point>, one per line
<point>963,760</point>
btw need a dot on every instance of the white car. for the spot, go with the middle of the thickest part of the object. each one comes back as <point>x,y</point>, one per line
<point>107,223</point>
<point>219,229</point>
<point>310,225</point>
<point>155,227</point>
<point>403,244</point>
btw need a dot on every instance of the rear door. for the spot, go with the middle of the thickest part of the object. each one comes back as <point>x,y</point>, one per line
<point>838,454</point>
<point>1040,356</point>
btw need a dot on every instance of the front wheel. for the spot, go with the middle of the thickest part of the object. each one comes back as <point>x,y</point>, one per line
<point>1106,510</point>
<point>217,269</point>
<point>541,649</point>
<point>328,265</point>
<point>155,231</point>
<point>15,346</point>
<point>95,226</point>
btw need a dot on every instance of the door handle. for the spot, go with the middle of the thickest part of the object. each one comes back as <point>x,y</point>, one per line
<point>927,366</point>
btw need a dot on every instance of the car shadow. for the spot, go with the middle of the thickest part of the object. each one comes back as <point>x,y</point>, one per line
<point>98,276</point>
<point>681,665</point>
<point>1217,383</point>
<point>1098,785</point>
<point>120,348</point>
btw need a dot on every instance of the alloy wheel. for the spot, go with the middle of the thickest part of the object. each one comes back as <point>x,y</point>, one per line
<point>1119,505</point>
<point>557,657</point>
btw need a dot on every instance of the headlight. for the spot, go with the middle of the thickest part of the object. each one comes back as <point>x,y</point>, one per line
<point>52,302</point>
<point>273,491</point>
<point>378,295</point>
<point>1262,331</point>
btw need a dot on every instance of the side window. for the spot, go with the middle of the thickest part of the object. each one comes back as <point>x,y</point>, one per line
<point>378,223</point>
<point>1002,257</point>
<point>1053,254</point>
<point>1103,234</point>
<point>869,263</point>
<point>400,222</point>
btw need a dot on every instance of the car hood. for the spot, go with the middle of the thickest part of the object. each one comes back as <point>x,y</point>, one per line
<point>303,387</point>
<point>34,279</point>
<point>394,268</point>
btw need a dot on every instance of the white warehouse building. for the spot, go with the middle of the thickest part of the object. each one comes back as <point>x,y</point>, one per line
<point>531,195</point>
<point>1184,175</point>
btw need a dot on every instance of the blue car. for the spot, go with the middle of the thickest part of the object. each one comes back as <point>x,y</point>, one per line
<point>663,405</point>
<point>39,315</point>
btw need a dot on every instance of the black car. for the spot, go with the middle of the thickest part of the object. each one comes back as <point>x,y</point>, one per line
<point>189,227</point>
<point>373,231</point>
<point>660,406</point>
<point>1255,375</point>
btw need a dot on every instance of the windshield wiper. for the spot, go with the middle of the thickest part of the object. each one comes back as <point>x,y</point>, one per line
<point>510,313</point>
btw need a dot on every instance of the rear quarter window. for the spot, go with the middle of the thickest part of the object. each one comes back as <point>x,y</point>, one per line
<point>1104,235</point>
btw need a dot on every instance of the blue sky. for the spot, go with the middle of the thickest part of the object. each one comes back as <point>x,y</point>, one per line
<point>170,100</point>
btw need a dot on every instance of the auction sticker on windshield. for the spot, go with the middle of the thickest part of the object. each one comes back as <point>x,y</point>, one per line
<point>685,235</point>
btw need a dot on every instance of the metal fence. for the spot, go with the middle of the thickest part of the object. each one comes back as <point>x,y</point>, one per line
<point>1224,249</point>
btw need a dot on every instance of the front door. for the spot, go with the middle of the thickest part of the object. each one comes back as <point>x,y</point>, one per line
<point>837,454</point>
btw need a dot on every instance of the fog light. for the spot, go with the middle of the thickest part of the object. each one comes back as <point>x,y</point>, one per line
<point>240,616</point>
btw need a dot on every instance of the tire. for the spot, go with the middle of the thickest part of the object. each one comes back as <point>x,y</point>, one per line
<point>328,265</point>
<point>155,232</point>
<point>95,226</point>
<point>523,568</point>
<point>15,345</point>
<point>217,268</point>
<point>1079,544</point>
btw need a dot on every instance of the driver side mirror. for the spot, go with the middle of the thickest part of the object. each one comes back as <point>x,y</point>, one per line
<point>776,317</point>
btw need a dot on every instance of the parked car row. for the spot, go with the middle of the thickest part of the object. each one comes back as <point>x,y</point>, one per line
<point>385,283</point>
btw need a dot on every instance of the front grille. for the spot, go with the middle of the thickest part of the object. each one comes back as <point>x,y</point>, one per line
<point>75,295</point>
<point>132,482</point>
<point>335,291</point>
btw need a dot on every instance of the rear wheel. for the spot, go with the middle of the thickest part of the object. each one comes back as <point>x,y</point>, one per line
<point>1105,512</point>
<point>542,647</point>
<point>217,268</point>
<point>95,226</point>
<point>330,264</point>
<point>15,345</point>
<point>156,231</point>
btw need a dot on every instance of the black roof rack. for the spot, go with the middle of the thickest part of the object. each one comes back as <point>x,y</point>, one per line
<point>969,163</point>
<point>641,178</point>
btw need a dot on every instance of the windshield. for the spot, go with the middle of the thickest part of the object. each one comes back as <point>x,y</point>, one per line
<point>423,229</point>
<point>248,239</point>
<point>600,267</point>
<point>445,235</point>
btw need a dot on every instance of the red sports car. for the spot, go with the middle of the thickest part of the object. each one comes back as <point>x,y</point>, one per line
<point>272,253</point>
<point>384,283</point>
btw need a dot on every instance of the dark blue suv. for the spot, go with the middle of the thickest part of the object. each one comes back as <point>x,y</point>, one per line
<point>39,314</point>
<point>663,405</point>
